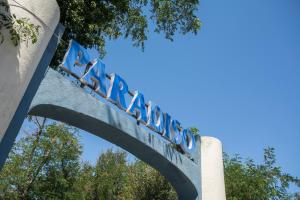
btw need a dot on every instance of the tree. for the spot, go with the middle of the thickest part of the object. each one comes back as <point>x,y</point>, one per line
<point>145,183</point>
<point>113,178</point>
<point>92,22</point>
<point>250,181</point>
<point>42,165</point>
<point>45,165</point>
<point>110,175</point>
<point>85,182</point>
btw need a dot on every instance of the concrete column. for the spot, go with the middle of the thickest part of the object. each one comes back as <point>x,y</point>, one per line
<point>18,63</point>
<point>212,170</point>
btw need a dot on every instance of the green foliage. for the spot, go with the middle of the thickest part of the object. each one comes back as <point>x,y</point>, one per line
<point>20,29</point>
<point>250,181</point>
<point>46,164</point>
<point>146,183</point>
<point>110,175</point>
<point>113,179</point>
<point>42,164</point>
<point>85,186</point>
<point>92,22</point>
<point>195,130</point>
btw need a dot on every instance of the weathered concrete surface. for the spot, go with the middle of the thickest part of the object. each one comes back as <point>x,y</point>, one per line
<point>212,172</point>
<point>59,99</point>
<point>18,64</point>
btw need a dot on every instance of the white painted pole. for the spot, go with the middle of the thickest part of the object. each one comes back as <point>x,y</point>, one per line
<point>18,63</point>
<point>212,170</point>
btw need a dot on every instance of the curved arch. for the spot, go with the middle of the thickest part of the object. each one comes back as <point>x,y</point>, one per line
<point>74,106</point>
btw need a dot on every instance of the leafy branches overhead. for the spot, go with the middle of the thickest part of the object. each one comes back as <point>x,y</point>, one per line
<point>171,15</point>
<point>93,22</point>
<point>20,29</point>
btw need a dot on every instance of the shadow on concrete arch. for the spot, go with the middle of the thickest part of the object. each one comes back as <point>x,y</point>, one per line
<point>59,99</point>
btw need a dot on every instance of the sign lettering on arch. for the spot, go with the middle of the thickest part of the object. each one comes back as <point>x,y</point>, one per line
<point>90,71</point>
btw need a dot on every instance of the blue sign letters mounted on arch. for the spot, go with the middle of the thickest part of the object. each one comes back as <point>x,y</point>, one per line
<point>90,71</point>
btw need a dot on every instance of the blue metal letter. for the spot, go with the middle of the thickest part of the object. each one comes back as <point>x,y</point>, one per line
<point>76,56</point>
<point>138,105</point>
<point>155,118</point>
<point>188,143</point>
<point>96,76</point>
<point>117,90</point>
<point>175,130</point>
<point>167,123</point>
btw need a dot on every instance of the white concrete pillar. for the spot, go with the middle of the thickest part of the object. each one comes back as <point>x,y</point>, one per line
<point>18,64</point>
<point>212,170</point>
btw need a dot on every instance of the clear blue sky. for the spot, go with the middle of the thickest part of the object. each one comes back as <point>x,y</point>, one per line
<point>237,80</point>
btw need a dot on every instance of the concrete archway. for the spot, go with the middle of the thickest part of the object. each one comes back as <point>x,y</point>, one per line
<point>59,99</point>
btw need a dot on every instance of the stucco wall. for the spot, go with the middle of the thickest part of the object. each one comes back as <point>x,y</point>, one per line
<point>212,170</point>
<point>100,119</point>
<point>103,120</point>
<point>17,64</point>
